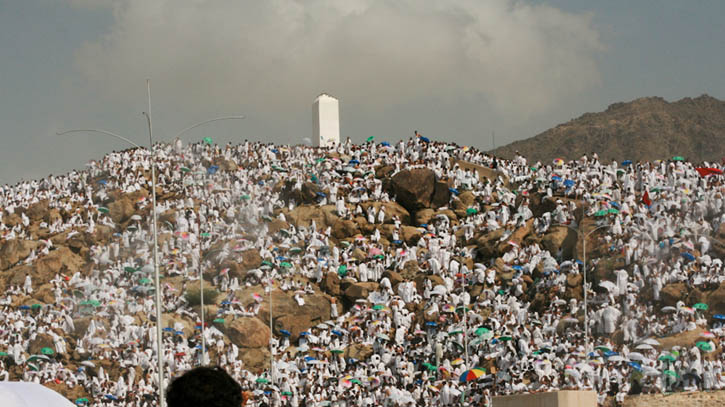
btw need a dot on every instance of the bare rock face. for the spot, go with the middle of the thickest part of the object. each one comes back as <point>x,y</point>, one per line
<point>121,209</point>
<point>671,293</point>
<point>41,341</point>
<point>560,237</point>
<point>358,351</point>
<point>249,333</point>
<point>414,188</point>
<point>331,284</point>
<point>255,359</point>
<point>250,259</point>
<point>360,290</point>
<point>15,250</point>
<point>38,210</point>
<point>391,209</point>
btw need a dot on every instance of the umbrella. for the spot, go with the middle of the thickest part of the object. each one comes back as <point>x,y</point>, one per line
<point>219,321</point>
<point>285,332</point>
<point>644,346</point>
<point>38,357</point>
<point>470,375</point>
<point>610,286</point>
<point>285,264</point>
<point>636,356</point>
<point>701,306</point>
<point>616,358</point>
<point>603,212</point>
<point>603,348</point>
<point>669,309</point>
<point>666,357</point>
<point>145,281</point>
<point>720,317</point>
<point>687,256</point>
<point>208,140</point>
<point>430,366</point>
<point>47,351</point>
<point>670,373</point>
<point>704,346</point>
<point>342,270</point>
<point>707,334</point>
<point>262,380</point>
<point>651,341</point>
<point>627,162</point>
<point>471,211</point>
<point>678,158</point>
<point>128,269</point>
<point>482,330</point>
<point>103,209</point>
<point>457,362</point>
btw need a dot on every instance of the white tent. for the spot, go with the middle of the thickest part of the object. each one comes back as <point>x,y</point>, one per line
<point>28,394</point>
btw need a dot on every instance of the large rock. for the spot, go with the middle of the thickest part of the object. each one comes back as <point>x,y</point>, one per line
<point>424,216</point>
<point>360,290</point>
<point>358,351</point>
<point>414,188</point>
<point>15,250</point>
<point>255,360</point>
<point>716,300</point>
<point>560,237</point>
<point>38,210</point>
<point>303,215</point>
<point>250,259</point>
<point>671,293</point>
<point>121,210</point>
<point>342,229</point>
<point>41,341</point>
<point>391,209</point>
<point>249,333</point>
<point>331,284</point>
<point>61,260</point>
<point>410,235</point>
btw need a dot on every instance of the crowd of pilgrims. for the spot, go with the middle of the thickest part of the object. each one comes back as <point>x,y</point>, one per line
<point>662,238</point>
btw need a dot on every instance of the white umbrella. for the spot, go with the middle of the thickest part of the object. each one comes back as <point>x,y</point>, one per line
<point>644,346</point>
<point>669,309</point>
<point>27,394</point>
<point>636,356</point>
<point>651,341</point>
<point>617,358</point>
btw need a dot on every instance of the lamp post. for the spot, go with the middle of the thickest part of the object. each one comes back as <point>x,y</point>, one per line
<point>584,282</point>
<point>159,342</point>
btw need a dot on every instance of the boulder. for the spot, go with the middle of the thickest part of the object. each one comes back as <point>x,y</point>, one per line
<point>560,237</point>
<point>394,277</point>
<point>414,188</point>
<point>255,360</point>
<point>303,215</point>
<point>248,333</point>
<point>391,209</point>
<point>716,300</point>
<point>37,211</point>
<point>671,293</point>
<point>441,194</point>
<point>342,229</point>
<point>358,351</point>
<point>121,210</point>
<point>423,216</point>
<point>410,234</point>
<point>410,270</point>
<point>251,259</point>
<point>41,341</point>
<point>12,251</point>
<point>360,290</point>
<point>331,284</point>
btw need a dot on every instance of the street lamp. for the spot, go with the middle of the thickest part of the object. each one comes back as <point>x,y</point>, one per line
<point>159,342</point>
<point>584,283</point>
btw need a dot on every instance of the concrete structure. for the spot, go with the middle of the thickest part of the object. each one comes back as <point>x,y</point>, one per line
<point>325,121</point>
<point>564,398</point>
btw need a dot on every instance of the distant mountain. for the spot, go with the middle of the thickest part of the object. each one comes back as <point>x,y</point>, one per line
<point>644,129</point>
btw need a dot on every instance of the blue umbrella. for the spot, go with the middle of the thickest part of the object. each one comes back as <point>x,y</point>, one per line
<point>168,329</point>
<point>304,333</point>
<point>454,191</point>
<point>385,144</point>
<point>274,150</point>
<point>517,267</point>
<point>720,317</point>
<point>424,139</point>
<point>226,302</point>
<point>627,162</point>
<point>610,353</point>
<point>688,256</point>
<point>352,361</point>
<point>111,397</point>
<point>431,323</point>
<point>397,241</point>
<point>309,359</point>
<point>353,161</point>
<point>212,170</point>
<point>322,194</point>
<point>103,182</point>
<point>636,365</point>
<point>556,178</point>
<point>285,332</point>
<point>338,333</point>
<point>614,204</point>
<point>179,332</point>
<point>24,307</point>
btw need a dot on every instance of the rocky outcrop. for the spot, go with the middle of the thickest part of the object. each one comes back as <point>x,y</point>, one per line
<point>415,189</point>
<point>249,333</point>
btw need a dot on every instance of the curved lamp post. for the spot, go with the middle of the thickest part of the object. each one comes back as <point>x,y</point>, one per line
<point>584,237</point>
<point>159,342</point>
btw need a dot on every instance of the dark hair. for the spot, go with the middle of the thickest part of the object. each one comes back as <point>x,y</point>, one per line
<point>204,386</point>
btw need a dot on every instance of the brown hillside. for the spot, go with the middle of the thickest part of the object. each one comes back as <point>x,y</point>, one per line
<point>645,129</point>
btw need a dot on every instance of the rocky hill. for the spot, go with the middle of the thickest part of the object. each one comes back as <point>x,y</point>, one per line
<point>644,129</point>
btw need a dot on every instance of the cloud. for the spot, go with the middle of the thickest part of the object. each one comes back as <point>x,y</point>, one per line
<point>274,56</point>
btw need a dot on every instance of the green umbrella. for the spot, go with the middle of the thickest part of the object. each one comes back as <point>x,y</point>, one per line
<point>288,393</point>
<point>482,330</point>
<point>457,331</point>
<point>378,307</point>
<point>430,366</point>
<point>471,211</point>
<point>369,139</point>
<point>612,210</point>
<point>47,351</point>
<point>145,281</point>
<point>295,250</point>
<point>667,357</point>
<point>36,306</point>
<point>3,354</point>
<point>94,303</point>
<point>355,381</point>
<point>129,269</point>
<point>262,380</point>
<point>704,346</point>
<point>103,209</point>
<point>671,373</point>
<point>459,309</point>
<point>504,338</point>
<point>319,160</point>
<point>336,351</point>
<point>342,270</point>
<point>378,256</point>
<point>701,306</point>
<point>82,400</point>
<point>267,263</point>
<point>38,357</point>
<point>603,212</point>
<point>285,264</point>
<point>678,158</point>
<point>208,140</point>
<point>603,348</point>
<point>219,321</point>
<point>185,169</point>
<point>246,197</point>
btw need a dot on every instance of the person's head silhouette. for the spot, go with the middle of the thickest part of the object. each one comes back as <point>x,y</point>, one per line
<point>204,386</point>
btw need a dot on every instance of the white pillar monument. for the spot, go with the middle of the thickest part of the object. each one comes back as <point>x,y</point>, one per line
<point>325,121</point>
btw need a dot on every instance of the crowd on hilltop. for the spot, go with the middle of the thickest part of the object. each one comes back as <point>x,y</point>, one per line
<point>467,334</point>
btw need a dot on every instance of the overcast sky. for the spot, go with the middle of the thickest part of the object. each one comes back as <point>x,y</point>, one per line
<point>454,70</point>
